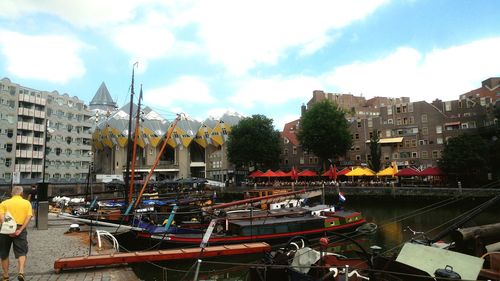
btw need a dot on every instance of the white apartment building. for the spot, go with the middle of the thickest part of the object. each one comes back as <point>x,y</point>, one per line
<point>31,120</point>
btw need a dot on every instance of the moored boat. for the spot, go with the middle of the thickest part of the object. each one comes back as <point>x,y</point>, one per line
<point>273,227</point>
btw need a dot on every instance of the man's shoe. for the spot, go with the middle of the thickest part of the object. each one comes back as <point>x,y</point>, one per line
<point>20,277</point>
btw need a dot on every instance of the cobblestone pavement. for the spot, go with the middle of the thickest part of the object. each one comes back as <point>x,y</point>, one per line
<point>46,246</point>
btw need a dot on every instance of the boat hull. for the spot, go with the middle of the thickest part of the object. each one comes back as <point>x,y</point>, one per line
<point>136,240</point>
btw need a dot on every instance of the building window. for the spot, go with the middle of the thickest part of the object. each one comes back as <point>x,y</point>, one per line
<point>395,156</point>
<point>301,161</point>
<point>413,143</point>
<point>294,150</point>
<point>439,129</point>
<point>285,152</point>
<point>422,142</point>
<point>410,107</point>
<point>390,121</point>
<point>398,121</point>
<point>359,124</point>
<point>425,131</point>
<point>389,110</point>
<point>357,136</point>
<point>424,118</point>
<point>435,154</point>
<point>407,143</point>
<point>412,120</point>
<point>414,154</point>
<point>358,157</point>
<point>439,140</point>
<point>370,123</point>
<point>388,133</point>
<point>424,154</point>
<point>404,154</point>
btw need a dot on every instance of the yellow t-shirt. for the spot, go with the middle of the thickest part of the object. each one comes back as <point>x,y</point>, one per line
<point>18,207</point>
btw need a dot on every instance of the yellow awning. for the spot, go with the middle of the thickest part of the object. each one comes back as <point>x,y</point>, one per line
<point>389,171</point>
<point>389,140</point>
<point>360,172</point>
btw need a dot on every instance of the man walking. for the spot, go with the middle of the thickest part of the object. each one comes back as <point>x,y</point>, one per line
<point>21,211</point>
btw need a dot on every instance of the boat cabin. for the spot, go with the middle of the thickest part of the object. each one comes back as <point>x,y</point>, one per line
<point>274,225</point>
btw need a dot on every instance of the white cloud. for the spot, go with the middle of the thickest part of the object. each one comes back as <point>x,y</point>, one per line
<point>83,13</point>
<point>52,58</point>
<point>441,73</point>
<point>273,91</point>
<point>186,89</point>
<point>279,121</point>
<point>243,34</point>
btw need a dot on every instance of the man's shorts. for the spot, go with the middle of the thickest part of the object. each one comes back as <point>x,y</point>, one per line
<point>20,245</point>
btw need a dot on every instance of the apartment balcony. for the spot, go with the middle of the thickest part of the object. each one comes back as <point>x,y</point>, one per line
<point>24,153</point>
<point>24,139</point>
<point>38,141</point>
<point>23,167</point>
<point>38,154</point>
<point>32,99</point>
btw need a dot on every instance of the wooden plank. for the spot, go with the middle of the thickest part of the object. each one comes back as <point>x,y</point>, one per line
<point>163,255</point>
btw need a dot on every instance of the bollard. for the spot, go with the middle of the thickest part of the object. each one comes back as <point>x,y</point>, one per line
<point>42,215</point>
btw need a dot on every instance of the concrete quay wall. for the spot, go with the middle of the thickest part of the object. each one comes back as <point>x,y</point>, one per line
<point>416,192</point>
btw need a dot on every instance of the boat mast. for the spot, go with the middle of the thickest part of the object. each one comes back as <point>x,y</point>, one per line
<point>127,170</point>
<point>134,147</point>
<point>164,145</point>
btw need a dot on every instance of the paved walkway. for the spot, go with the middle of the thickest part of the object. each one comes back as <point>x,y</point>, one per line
<point>46,246</point>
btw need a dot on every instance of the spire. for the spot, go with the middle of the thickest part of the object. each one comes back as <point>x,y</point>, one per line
<point>102,99</point>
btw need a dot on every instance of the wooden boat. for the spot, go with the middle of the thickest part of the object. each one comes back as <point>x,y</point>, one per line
<point>274,228</point>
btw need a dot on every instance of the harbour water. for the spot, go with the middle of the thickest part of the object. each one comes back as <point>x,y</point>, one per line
<point>398,220</point>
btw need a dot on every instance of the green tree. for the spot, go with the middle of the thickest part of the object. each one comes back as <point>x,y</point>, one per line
<point>465,159</point>
<point>254,141</point>
<point>375,151</point>
<point>324,131</point>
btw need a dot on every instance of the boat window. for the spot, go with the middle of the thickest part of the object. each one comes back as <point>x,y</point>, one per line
<point>282,228</point>
<point>266,230</point>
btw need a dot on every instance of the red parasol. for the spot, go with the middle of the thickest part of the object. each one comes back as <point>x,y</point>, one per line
<point>280,173</point>
<point>332,173</point>
<point>343,172</point>
<point>294,174</point>
<point>307,173</point>
<point>255,174</point>
<point>407,172</point>
<point>431,171</point>
<point>268,174</point>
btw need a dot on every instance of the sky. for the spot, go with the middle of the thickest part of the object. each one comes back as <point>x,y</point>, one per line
<point>205,58</point>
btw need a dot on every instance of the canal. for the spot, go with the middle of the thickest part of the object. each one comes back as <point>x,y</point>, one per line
<point>398,221</point>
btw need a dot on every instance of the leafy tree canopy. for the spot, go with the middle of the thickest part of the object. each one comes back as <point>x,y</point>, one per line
<point>324,130</point>
<point>466,158</point>
<point>375,151</point>
<point>254,141</point>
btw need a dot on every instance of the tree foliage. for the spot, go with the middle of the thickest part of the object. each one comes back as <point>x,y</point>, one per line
<point>254,141</point>
<point>465,159</point>
<point>324,131</point>
<point>375,152</point>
